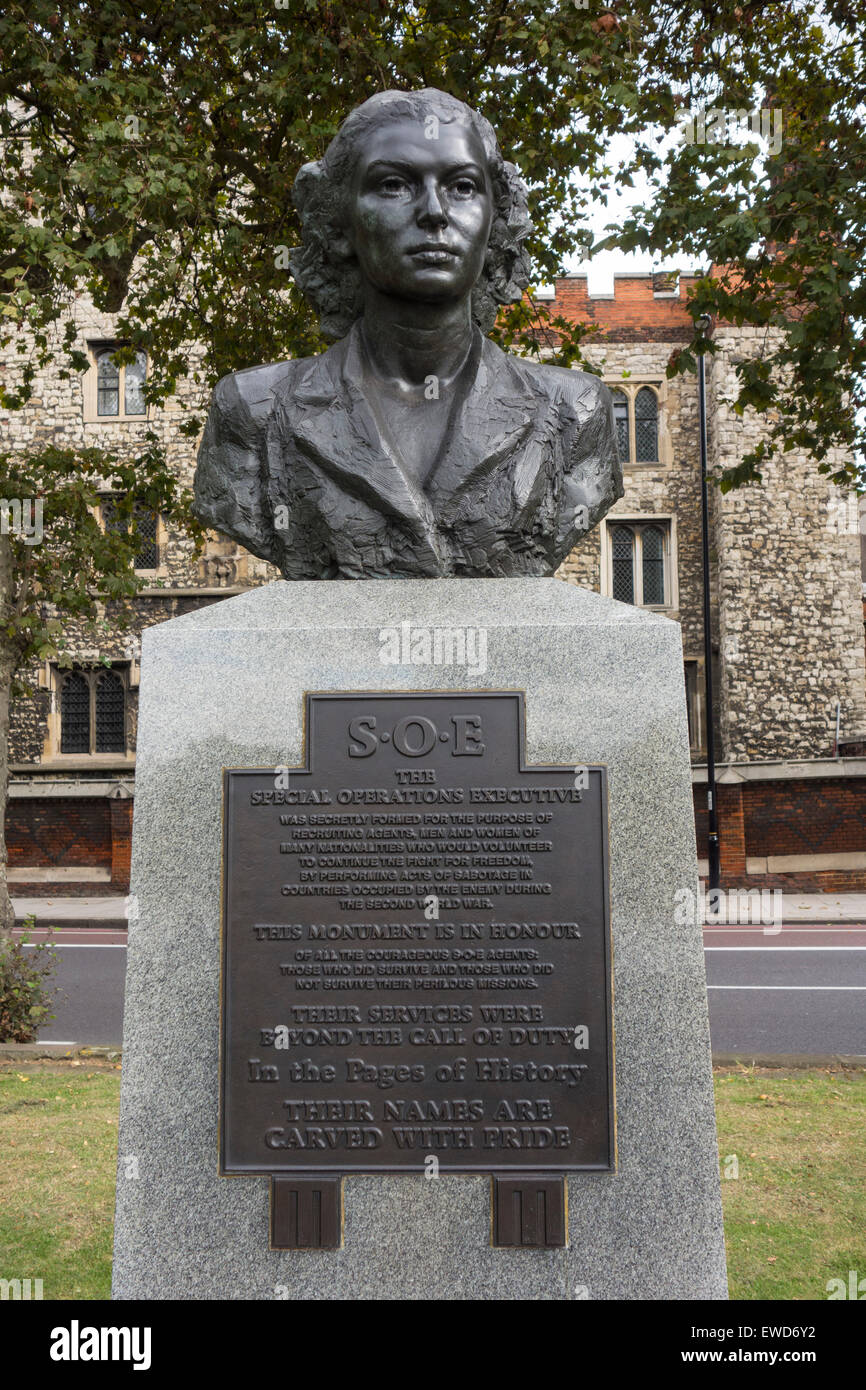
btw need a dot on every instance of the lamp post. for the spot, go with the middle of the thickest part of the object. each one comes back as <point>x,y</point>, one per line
<point>712,810</point>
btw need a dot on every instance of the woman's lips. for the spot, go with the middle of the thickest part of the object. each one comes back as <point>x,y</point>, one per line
<point>433,255</point>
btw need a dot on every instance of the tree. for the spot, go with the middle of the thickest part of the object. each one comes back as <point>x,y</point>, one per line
<point>148,155</point>
<point>779,220</point>
<point>149,151</point>
<point>57,562</point>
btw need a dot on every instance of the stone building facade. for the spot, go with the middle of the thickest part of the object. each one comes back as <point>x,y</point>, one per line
<point>786,595</point>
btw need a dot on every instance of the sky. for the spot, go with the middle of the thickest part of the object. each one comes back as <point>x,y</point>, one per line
<point>601,268</point>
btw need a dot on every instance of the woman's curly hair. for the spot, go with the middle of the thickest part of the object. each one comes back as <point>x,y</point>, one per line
<point>332,283</point>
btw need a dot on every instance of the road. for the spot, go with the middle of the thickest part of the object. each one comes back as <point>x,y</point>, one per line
<point>799,991</point>
<point>88,1004</point>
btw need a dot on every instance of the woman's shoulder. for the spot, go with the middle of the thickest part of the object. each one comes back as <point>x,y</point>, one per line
<point>251,391</point>
<point>254,391</point>
<point>583,391</point>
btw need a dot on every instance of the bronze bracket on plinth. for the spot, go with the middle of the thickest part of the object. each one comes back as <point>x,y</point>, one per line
<point>529,1211</point>
<point>306,1213</point>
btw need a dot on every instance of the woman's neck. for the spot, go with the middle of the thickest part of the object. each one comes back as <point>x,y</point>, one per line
<point>406,343</point>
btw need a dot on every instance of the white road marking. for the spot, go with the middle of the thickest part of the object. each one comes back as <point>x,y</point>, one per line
<point>80,945</point>
<point>850,988</point>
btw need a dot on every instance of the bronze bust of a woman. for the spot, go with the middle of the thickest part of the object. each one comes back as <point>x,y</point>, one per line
<point>414,447</point>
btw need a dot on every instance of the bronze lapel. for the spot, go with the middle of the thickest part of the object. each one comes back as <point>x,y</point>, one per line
<point>332,424</point>
<point>504,421</point>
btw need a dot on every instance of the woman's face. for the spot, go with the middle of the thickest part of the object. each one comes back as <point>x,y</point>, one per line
<point>420,209</point>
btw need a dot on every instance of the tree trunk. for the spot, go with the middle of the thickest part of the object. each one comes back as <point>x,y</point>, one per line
<point>7,669</point>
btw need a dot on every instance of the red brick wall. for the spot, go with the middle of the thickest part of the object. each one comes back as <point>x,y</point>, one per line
<point>635,314</point>
<point>64,833</point>
<point>121,842</point>
<point>58,831</point>
<point>805,817</point>
<point>732,830</point>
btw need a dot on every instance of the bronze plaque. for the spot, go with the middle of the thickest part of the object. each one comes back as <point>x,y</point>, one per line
<point>416,954</point>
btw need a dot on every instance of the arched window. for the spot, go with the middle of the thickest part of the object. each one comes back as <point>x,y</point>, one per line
<point>113,391</point>
<point>110,714</point>
<point>93,711</point>
<point>620,420</point>
<point>107,385</point>
<point>639,424</point>
<point>639,563</point>
<point>622,563</point>
<point>653,564</point>
<point>646,426</point>
<point>75,714</point>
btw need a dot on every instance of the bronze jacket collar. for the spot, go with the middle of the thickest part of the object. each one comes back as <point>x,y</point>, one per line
<point>331,423</point>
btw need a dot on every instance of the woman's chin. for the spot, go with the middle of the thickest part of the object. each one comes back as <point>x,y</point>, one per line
<point>430,288</point>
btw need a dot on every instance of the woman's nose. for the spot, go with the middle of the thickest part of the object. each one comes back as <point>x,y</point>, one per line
<point>431,209</point>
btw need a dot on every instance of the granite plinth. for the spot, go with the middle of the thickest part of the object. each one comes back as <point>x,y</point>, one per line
<point>224,687</point>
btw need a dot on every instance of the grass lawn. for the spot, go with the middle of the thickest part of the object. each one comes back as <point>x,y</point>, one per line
<point>795,1217</point>
<point>795,1213</point>
<point>58,1152</point>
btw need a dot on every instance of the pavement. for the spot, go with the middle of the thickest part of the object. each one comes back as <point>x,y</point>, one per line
<point>109,912</point>
<point>798,909</point>
<point>801,909</point>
